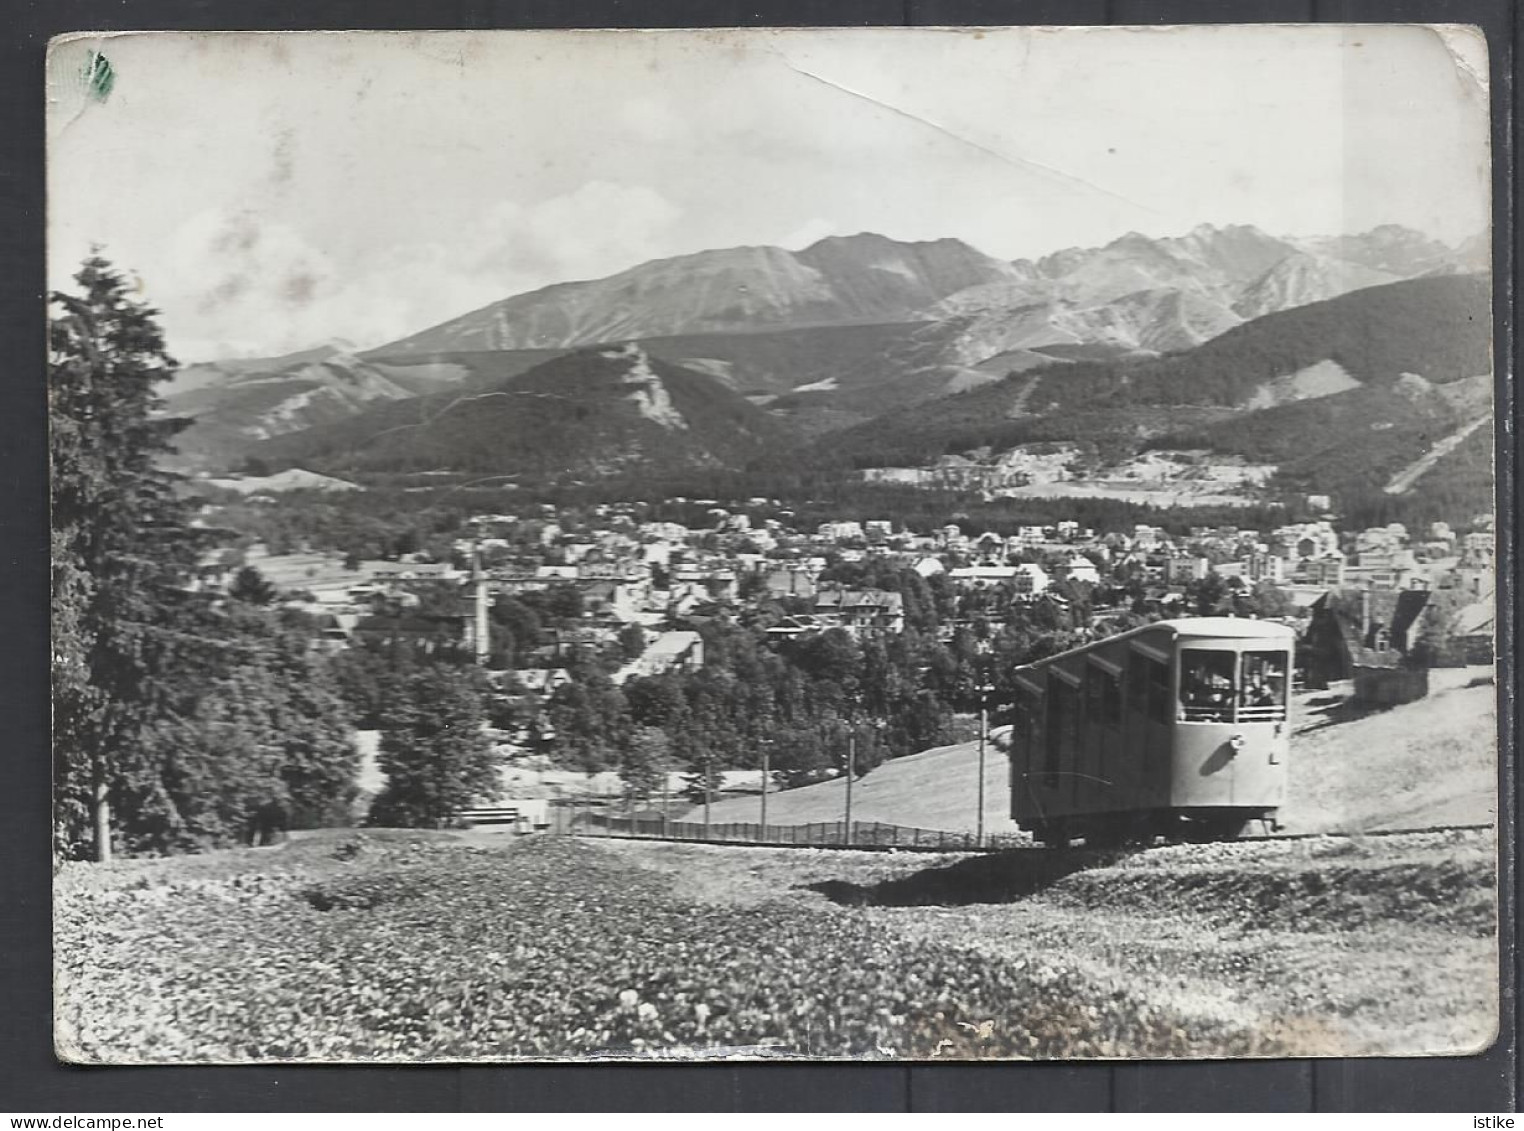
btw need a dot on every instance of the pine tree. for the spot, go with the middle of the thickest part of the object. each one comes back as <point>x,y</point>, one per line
<point>177,725</point>
<point>122,552</point>
<point>219,765</point>
<point>251,586</point>
<point>436,758</point>
<point>643,764</point>
<point>320,763</point>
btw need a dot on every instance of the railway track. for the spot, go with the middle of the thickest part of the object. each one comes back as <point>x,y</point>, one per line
<point>1038,848</point>
<point>1474,828</point>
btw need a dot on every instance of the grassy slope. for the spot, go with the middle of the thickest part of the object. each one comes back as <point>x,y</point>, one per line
<point>935,789</point>
<point>413,948</point>
<point>1427,763</point>
<point>1380,770</point>
<point>1328,946</point>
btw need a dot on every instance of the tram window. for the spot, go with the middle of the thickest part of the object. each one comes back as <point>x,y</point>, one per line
<point>1158,693</point>
<point>1137,685</point>
<point>1263,686</point>
<point>1053,730</point>
<point>1111,700</point>
<point>1074,719</point>
<point>1103,697</point>
<point>1207,685</point>
<point>1028,728</point>
<point>1095,691</point>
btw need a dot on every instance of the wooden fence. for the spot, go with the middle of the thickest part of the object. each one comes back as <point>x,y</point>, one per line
<point>863,834</point>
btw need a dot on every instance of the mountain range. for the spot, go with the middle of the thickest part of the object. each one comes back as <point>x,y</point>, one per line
<point>1340,395</point>
<point>839,281</point>
<point>234,405</point>
<point>589,413</point>
<point>843,339</point>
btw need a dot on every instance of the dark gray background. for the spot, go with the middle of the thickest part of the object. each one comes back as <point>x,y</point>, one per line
<point>30,1078</point>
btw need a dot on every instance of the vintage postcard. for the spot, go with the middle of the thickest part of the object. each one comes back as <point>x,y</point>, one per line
<point>925,544</point>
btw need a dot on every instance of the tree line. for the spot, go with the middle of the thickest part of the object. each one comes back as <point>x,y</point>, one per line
<point>180,721</point>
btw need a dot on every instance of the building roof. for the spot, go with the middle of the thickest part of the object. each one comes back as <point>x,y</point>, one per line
<point>410,623</point>
<point>1396,610</point>
<point>1409,607</point>
<point>660,654</point>
<point>1476,618</point>
<point>795,625</point>
<point>858,599</point>
<point>982,571</point>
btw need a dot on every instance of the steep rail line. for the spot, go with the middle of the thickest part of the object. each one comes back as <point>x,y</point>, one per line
<point>1359,834</point>
<point>1038,848</point>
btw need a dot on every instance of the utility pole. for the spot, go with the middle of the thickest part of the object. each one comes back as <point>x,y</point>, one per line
<point>767,744</point>
<point>664,776</point>
<point>984,733</point>
<point>100,796</point>
<point>984,730</point>
<point>851,772</point>
<point>480,640</point>
<point>708,780</point>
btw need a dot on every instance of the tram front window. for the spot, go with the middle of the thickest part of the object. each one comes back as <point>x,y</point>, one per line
<point>1264,685</point>
<point>1208,685</point>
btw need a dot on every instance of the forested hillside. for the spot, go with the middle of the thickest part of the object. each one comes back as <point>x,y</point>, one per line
<point>590,413</point>
<point>1438,328</point>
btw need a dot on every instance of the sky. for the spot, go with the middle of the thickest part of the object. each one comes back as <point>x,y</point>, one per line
<point>270,192</point>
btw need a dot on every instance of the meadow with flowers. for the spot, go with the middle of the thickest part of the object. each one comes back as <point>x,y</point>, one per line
<point>413,946</point>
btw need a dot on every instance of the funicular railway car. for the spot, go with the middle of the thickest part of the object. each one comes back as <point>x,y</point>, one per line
<point>1177,729</point>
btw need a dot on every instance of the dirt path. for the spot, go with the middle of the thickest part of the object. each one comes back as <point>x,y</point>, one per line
<point>1018,406</point>
<point>1403,481</point>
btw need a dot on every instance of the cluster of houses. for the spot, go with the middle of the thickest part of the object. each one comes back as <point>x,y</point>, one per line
<point>627,569</point>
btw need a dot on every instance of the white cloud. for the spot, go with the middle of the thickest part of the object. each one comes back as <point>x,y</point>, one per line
<point>807,233</point>
<point>388,183</point>
<point>235,283</point>
<point>599,228</point>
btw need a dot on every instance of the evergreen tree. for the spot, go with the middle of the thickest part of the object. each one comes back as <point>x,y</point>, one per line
<point>436,758</point>
<point>220,767</point>
<point>643,764</point>
<point>123,551</point>
<point>802,755</point>
<point>1270,600</point>
<point>177,724</point>
<point>320,764</point>
<point>632,642</point>
<point>1208,596</point>
<point>249,585</point>
<point>590,719</point>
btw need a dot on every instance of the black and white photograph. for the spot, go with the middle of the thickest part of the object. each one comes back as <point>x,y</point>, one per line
<point>893,544</point>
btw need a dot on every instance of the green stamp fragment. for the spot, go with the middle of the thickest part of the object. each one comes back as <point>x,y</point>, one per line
<point>99,77</point>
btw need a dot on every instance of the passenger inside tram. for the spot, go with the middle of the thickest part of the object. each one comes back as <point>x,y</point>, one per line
<point>1206,686</point>
<point>1264,683</point>
<point>1258,693</point>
